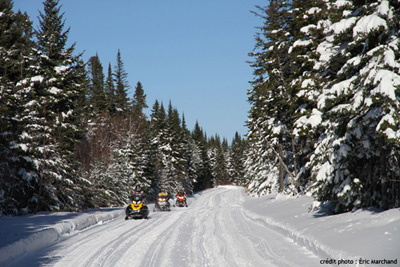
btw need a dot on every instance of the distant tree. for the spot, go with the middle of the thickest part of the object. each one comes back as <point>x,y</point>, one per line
<point>139,100</point>
<point>218,163</point>
<point>109,89</point>
<point>96,95</point>
<point>121,86</point>
<point>204,175</point>
<point>235,158</point>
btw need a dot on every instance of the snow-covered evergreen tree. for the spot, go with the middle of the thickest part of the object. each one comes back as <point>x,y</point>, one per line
<point>342,130</point>
<point>235,160</point>
<point>204,176</point>
<point>356,164</point>
<point>273,102</point>
<point>18,176</point>
<point>52,122</point>
<point>218,162</point>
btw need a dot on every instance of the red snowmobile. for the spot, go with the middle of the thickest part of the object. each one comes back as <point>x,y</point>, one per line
<point>181,200</point>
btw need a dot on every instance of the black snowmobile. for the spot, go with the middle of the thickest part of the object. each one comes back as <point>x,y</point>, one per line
<point>137,209</point>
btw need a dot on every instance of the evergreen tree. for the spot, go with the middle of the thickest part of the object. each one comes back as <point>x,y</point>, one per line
<point>97,96</point>
<point>218,163</point>
<point>139,100</point>
<point>335,75</point>
<point>109,89</point>
<point>204,176</point>
<point>192,159</point>
<point>56,128</point>
<point>356,163</point>
<point>176,170</point>
<point>235,158</point>
<point>18,179</point>
<point>122,86</point>
<point>157,145</point>
<point>271,97</point>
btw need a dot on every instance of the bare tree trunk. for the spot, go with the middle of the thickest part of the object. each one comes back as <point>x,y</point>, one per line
<point>283,165</point>
<point>281,172</point>
<point>384,186</point>
<point>294,159</point>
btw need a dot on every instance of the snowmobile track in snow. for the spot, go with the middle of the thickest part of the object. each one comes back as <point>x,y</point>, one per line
<point>215,230</point>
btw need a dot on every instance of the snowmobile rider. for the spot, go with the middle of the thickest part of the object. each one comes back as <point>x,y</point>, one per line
<point>163,194</point>
<point>181,194</point>
<point>137,191</point>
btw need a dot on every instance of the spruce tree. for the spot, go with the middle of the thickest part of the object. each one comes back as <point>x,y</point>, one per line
<point>18,177</point>
<point>157,145</point>
<point>139,100</point>
<point>357,160</point>
<point>57,128</point>
<point>121,86</point>
<point>96,96</point>
<point>109,89</point>
<point>204,176</point>
<point>235,162</point>
<point>271,114</point>
<point>218,163</point>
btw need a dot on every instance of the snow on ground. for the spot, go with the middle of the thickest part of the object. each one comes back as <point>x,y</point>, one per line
<point>221,227</point>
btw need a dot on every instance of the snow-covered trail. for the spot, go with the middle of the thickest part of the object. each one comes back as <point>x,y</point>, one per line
<point>213,231</point>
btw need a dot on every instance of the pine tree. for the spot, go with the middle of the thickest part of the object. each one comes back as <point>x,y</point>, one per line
<point>357,163</point>
<point>217,161</point>
<point>122,86</point>
<point>109,89</point>
<point>175,161</point>
<point>157,145</point>
<point>96,96</point>
<point>204,176</point>
<point>56,128</point>
<point>18,179</point>
<point>192,159</point>
<point>339,73</point>
<point>235,158</point>
<point>271,115</point>
<point>139,100</point>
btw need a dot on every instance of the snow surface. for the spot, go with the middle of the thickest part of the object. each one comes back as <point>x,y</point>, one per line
<point>221,227</point>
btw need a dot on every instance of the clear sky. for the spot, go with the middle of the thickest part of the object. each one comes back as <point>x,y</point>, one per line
<point>191,52</point>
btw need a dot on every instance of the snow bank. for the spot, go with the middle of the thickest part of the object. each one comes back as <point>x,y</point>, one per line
<point>21,236</point>
<point>364,234</point>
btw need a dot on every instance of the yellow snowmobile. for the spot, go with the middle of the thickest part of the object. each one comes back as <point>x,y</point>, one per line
<point>137,209</point>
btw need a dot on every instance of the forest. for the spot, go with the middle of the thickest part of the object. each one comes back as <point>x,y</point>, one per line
<point>325,103</point>
<point>324,117</point>
<point>71,138</point>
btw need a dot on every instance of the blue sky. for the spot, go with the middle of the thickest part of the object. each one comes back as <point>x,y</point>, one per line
<point>191,52</point>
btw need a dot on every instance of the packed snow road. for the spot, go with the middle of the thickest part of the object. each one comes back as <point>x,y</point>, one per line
<point>213,231</point>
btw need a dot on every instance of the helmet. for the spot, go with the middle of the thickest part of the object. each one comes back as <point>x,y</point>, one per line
<point>163,190</point>
<point>137,188</point>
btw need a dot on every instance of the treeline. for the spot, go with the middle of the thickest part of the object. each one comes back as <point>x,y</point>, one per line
<point>71,138</point>
<point>325,102</point>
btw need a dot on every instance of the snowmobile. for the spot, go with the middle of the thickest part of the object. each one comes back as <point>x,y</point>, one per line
<point>162,204</point>
<point>137,209</point>
<point>181,201</point>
